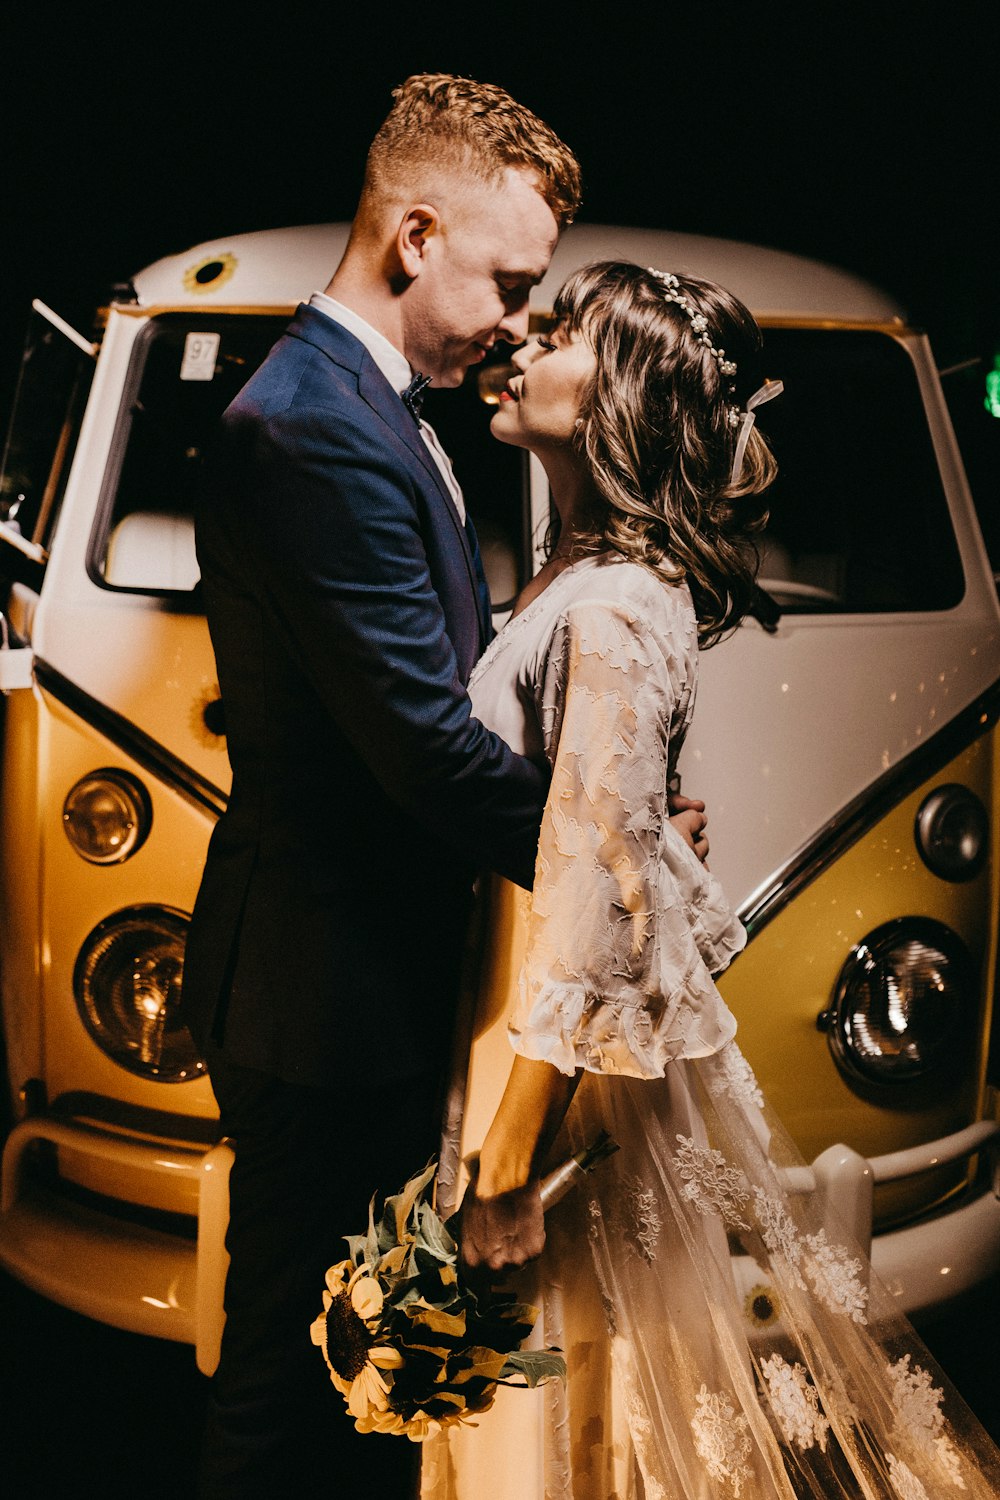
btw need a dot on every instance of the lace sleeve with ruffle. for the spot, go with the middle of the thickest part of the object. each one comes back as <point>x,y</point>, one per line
<point>626,926</point>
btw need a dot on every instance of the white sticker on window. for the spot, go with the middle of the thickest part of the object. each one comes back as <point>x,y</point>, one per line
<point>200,350</point>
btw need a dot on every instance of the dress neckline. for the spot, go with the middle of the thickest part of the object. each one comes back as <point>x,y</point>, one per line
<point>509,631</point>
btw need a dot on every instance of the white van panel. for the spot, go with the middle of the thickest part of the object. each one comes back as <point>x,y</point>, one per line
<point>850,696</point>
<point>281,266</point>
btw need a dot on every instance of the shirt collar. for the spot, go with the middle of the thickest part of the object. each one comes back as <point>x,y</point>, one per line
<point>394,365</point>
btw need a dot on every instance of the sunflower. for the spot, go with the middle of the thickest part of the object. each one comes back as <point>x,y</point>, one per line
<point>354,1360</point>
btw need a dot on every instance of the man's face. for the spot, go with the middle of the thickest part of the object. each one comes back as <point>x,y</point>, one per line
<point>479,266</point>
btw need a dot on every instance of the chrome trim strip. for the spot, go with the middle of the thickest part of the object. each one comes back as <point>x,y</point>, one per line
<point>859,815</point>
<point>894,1166</point>
<point>133,742</point>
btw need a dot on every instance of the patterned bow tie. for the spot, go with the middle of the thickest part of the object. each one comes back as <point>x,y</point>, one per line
<point>413,396</point>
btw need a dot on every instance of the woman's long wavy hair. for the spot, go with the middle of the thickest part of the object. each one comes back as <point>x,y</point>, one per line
<point>659,433</point>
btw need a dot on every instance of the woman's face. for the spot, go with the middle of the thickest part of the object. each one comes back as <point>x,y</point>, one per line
<point>540,407</point>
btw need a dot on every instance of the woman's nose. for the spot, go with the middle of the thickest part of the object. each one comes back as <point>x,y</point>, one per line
<point>525,355</point>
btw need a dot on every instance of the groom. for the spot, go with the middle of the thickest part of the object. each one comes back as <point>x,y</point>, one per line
<point>347,605</point>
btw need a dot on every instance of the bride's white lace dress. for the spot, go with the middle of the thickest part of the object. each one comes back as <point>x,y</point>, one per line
<point>679,1386</point>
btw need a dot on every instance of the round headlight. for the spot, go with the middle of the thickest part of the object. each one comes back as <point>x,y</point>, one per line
<point>127,983</point>
<point>107,816</point>
<point>903,1005</point>
<point>953,832</point>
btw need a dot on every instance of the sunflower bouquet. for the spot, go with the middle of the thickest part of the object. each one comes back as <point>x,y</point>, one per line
<point>409,1347</point>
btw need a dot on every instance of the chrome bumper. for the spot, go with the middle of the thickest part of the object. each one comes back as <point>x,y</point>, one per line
<point>924,1264</point>
<point>150,1282</point>
<point>143,1280</point>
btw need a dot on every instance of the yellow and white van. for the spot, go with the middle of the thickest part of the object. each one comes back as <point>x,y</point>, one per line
<point>845,742</point>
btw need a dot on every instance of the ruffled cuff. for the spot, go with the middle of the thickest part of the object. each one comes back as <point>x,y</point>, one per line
<point>571,1028</point>
<point>717,942</point>
<point>686,884</point>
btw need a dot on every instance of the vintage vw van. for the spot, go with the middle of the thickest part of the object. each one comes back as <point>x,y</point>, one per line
<point>845,742</point>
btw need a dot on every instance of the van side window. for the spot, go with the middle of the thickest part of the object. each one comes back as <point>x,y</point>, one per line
<point>186,368</point>
<point>972,390</point>
<point>52,390</point>
<point>859,521</point>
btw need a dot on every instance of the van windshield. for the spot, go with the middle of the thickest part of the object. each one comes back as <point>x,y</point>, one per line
<point>859,521</point>
<point>186,369</point>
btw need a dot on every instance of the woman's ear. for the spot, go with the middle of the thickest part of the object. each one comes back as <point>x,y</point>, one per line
<point>418,226</point>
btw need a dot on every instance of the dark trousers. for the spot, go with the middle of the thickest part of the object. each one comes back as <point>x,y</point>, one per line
<point>307,1162</point>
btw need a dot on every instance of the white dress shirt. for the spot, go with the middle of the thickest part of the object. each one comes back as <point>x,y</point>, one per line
<point>396,369</point>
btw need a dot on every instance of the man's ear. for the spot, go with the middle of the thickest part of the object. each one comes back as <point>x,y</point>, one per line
<point>418,225</point>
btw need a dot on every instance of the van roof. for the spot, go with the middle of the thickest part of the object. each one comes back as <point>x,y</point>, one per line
<point>281,267</point>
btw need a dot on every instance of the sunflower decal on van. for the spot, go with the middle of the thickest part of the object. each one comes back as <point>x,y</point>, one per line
<point>208,274</point>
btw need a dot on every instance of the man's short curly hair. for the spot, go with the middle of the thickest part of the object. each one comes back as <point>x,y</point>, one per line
<point>439,120</point>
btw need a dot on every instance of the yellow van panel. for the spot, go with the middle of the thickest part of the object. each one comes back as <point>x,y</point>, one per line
<point>786,976</point>
<point>788,973</point>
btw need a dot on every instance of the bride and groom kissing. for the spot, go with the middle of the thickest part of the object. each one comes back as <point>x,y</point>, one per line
<point>387,751</point>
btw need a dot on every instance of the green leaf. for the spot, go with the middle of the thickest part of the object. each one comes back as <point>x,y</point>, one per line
<point>536,1365</point>
<point>475,1364</point>
<point>372,1246</point>
<point>433,1237</point>
<point>402,1204</point>
<point>356,1247</point>
<point>438,1322</point>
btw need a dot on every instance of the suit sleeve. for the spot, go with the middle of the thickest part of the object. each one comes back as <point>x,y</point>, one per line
<point>347,571</point>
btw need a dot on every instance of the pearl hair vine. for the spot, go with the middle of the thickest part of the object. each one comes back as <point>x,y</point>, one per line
<point>699,323</point>
<point>744,419</point>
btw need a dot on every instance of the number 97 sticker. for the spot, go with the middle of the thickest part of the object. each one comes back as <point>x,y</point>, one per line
<point>200,351</point>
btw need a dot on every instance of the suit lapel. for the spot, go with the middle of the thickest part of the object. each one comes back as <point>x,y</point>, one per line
<point>344,349</point>
<point>385,402</point>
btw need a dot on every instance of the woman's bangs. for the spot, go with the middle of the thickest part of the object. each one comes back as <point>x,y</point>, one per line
<point>583,298</point>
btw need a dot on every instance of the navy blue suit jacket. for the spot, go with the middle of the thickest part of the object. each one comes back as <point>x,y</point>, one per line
<point>347,606</point>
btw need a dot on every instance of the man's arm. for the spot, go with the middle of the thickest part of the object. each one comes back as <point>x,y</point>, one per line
<point>690,819</point>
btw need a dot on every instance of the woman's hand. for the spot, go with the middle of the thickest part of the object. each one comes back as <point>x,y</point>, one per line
<point>499,1232</point>
<point>501,1226</point>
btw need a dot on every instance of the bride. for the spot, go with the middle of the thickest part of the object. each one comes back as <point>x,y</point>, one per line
<point>638,407</point>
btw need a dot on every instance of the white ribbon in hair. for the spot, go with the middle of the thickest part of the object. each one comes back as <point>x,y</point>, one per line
<point>767,392</point>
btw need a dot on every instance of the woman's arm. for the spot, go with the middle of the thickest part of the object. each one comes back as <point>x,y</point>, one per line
<point>502,1225</point>
<point>591,988</point>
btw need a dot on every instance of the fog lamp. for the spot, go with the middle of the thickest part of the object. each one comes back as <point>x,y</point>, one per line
<point>903,1005</point>
<point>127,983</point>
<point>952,831</point>
<point>107,816</point>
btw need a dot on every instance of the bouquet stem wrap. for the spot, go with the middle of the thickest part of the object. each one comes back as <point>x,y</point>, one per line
<point>570,1173</point>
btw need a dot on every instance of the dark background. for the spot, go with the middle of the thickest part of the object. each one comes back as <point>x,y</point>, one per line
<point>864,134</point>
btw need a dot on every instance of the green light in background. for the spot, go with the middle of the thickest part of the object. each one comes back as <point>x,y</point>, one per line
<point>992,401</point>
